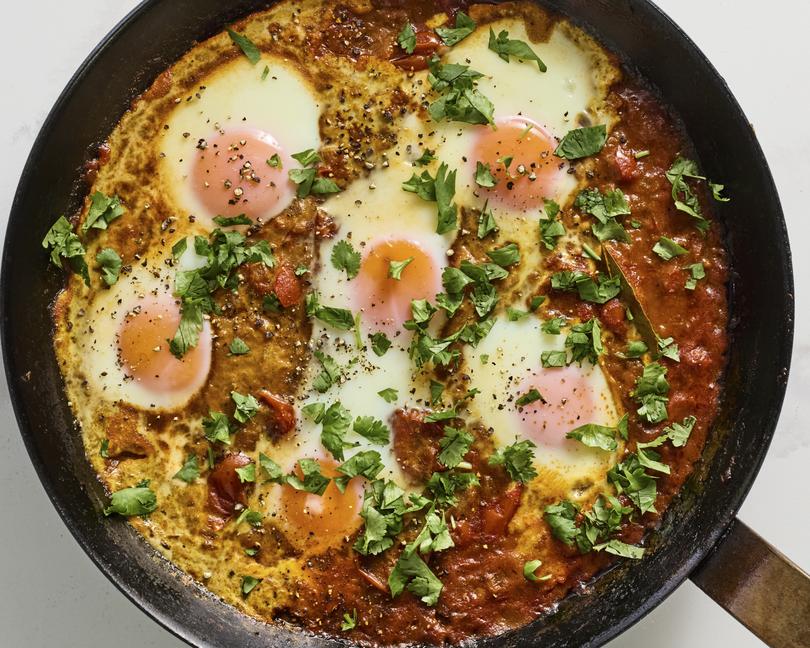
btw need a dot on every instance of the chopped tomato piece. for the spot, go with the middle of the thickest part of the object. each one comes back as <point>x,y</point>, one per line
<point>287,287</point>
<point>282,414</point>
<point>499,513</point>
<point>626,164</point>
<point>613,316</point>
<point>225,489</point>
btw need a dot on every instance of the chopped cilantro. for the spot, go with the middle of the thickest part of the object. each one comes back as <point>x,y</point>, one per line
<point>505,47</point>
<point>336,423</point>
<point>517,459</point>
<point>247,46</point>
<point>190,470</point>
<point>452,35</point>
<point>388,394</point>
<point>651,393</point>
<point>246,406</point>
<point>395,268</point>
<point>668,249</point>
<point>249,583</point>
<point>138,500</point>
<point>103,210</point>
<point>507,255</point>
<point>582,142</point>
<point>483,176</point>
<point>454,445</point>
<point>406,38</point>
<point>238,347</point>
<point>459,100</point>
<point>345,257</point>
<point>65,244</point>
<point>110,264</point>
<point>372,429</point>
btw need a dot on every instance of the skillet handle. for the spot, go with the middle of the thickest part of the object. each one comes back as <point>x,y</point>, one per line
<point>759,587</point>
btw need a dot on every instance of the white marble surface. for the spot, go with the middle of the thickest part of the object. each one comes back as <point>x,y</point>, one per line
<point>51,594</point>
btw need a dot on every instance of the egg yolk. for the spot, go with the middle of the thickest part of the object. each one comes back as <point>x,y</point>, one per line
<point>520,155</point>
<point>386,301</point>
<point>568,402</point>
<point>143,349</point>
<point>318,521</point>
<point>242,172</point>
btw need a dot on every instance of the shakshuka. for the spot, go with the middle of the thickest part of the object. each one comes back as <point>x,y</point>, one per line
<point>394,320</point>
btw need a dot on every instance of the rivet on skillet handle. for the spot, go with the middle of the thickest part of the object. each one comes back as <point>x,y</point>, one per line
<point>759,586</point>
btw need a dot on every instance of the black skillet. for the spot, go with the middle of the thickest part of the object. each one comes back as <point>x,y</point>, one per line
<point>699,538</point>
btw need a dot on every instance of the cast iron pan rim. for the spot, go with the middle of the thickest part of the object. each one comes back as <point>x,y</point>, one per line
<point>178,629</point>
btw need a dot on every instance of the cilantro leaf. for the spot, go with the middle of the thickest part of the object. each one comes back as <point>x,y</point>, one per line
<point>406,38</point>
<point>651,393</point>
<point>345,257</point>
<point>138,500</point>
<point>697,272</point>
<point>484,177</point>
<point>684,197</point>
<point>454,445</point>
<point>217,428</point>
<point>379,343</point>
<point>412,573</point>
<point>372,429</point>
<point>340,318</point>
<point>336,423</point>
<point>190,470</point>
<point>366,464</point>
<point>65,244</point>
<point>271,468</point>
<point>561,519</point>
<point>232,221</point>
<point>630,478</point>
<point>452,35</point>
<point>599,292</point>
<point>486,223</point>
<point>238,347</point>
<point>246,406</point>
<point>529,569</point>
<point>459,99</point>
<point>552,359</point>
<point>505,47</point>
<point>444,485</point>
<point>395,268</point>
<point>329,376</point>
<point>504,256</point>
<point>517,459</point>
<point>551,229</point>
<point>595,436</point>
<point>582,142</point>
<point>668,348</point>
<point>103,210</point>
<point>383,508</point>
<point>585,342</point>
<point>553,326</point>
<point>679,433</point>
<point>445,190</point>
<point>388,394</point>
<point>110,264</point>
<point>530,397</point>
<point>249,583</point>
<point>349,621</point>
<point>313,481</point>
<point>247,46</point>
<point>247,474</point>
<point>668,249</point>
